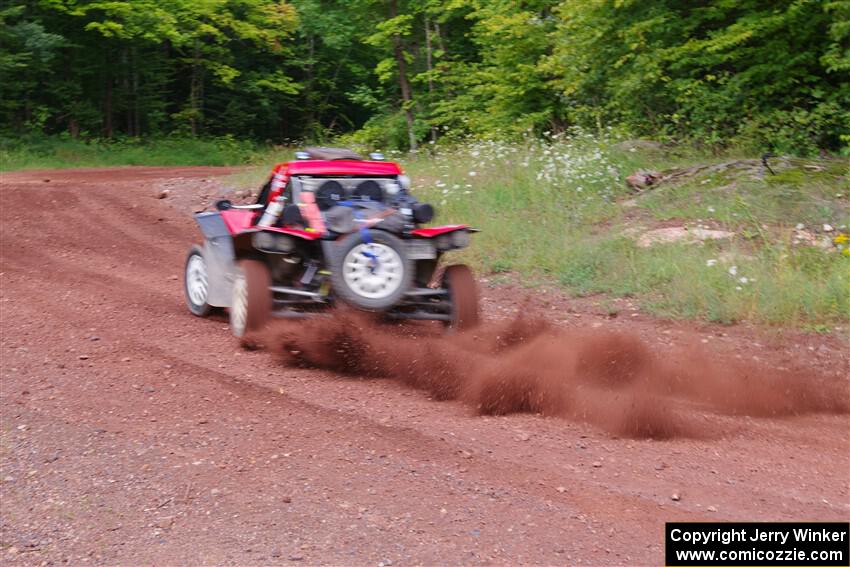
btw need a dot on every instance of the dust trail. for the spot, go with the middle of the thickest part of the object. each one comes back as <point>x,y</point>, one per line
<point>612,380</point>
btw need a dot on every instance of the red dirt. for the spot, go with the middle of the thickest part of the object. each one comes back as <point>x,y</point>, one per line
<point>133,433</point>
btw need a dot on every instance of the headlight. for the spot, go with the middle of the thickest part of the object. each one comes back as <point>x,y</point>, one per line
<point>460,239</point>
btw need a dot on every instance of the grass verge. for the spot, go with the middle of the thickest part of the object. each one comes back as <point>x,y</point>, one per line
<point>561,212</point>
<point>54,152</point>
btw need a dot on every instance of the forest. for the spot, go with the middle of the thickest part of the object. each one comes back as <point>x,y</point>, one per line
<point>768,75</point>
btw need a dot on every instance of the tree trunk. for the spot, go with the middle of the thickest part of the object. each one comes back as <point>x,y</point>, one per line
<point>429,62</point>
<point>107,108</point>
<point>194,94</point>
<point>404,84</point>
<point>439,37</point>
<point>311,115</point>
<point>137,130</point>
<point>125,87</point>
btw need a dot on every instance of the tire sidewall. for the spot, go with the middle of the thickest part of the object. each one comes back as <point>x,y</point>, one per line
<point>256,278</point>
<point>204,309</point>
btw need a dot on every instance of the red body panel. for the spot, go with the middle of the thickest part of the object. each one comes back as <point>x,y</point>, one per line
<point>239,221</point>
<point>437,230</point>
<point>338,167</point>
<point>305,234</point>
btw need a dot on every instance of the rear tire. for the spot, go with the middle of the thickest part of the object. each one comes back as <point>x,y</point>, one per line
<point>196,285</point>
<point>251,304</point>
<point>463,294</point>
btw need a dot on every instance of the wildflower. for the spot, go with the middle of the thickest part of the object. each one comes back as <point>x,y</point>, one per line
<point>711,209</point>
<point>739,288</point>
<point>472,174</point>
<point>743,279</point>
<point>733,270</point>
<point>800,226</point>
<point>711,262</point>
<point>841,239</point>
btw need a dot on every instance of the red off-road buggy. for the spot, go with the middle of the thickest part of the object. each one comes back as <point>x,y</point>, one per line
<point>329,227</point>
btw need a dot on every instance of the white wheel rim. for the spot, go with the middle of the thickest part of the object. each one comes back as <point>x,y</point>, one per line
<point>197,284</point>
<point>239,305</point>
<point>373,271</point>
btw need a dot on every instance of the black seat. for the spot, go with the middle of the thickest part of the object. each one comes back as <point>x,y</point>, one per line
<point>369,191</point>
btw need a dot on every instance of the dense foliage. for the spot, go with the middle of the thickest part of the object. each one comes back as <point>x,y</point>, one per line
<point>771,74</point>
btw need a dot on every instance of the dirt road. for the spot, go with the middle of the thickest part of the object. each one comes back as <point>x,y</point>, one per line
<point>136,434</point>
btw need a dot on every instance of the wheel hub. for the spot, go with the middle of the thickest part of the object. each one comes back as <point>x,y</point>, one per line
<point>373,270</point>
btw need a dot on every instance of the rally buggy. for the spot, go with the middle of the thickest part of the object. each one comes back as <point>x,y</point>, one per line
<point>329,227</point>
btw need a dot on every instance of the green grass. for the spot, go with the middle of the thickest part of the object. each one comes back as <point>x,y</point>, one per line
<point>53,152</point>
<point>569,227</point>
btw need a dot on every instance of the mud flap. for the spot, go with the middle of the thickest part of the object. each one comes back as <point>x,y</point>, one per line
<point>219,256</point>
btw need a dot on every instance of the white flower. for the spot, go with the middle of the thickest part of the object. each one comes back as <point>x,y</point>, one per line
<point>743,280</point>
<point>739,288</point>
<point>800,226</point>
<point>711,262</point>
<point>472,174</point>
<point>733,270</point>
<point>711,209</point>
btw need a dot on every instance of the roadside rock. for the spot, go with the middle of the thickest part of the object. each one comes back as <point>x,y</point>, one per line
<point>680,234</point>
<point>642,180</point>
